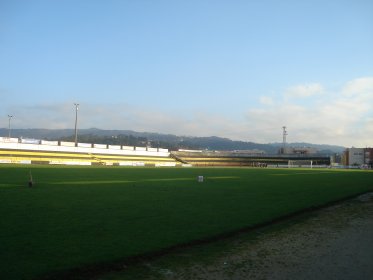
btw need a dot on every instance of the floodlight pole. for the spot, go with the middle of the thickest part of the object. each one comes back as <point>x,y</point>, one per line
<point>9,128</point>
<point>284,133</point>
<point>76,123</point>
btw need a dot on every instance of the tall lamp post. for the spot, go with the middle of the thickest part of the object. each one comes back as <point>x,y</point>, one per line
<point>76,123</point>
<point>9,128</point>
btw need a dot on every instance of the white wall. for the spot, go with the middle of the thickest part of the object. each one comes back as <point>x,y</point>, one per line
<point>51,143</point>
<point>9,140</point>
<point>100,146</point>
<point>85,145</point>
<point>129,148</point>
<point>114,147</point>
<point>85,150</point>
<point>68,144</point>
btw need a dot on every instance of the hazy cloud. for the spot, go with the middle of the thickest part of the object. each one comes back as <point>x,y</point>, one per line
<point>266,100</point>
<point>361,86</point>
<point>306,90</point>
<point>343,116</point>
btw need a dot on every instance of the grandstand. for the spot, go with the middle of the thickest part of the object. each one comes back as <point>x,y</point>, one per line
<point>32,151</point>
<point>235,158</point>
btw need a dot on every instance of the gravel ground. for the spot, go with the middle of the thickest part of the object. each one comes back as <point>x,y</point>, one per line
<point>331,243</point>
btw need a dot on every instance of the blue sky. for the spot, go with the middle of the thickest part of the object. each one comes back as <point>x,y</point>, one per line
<point>236,69</point>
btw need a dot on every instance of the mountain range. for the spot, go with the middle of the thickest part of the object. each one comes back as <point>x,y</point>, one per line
<point>172,142</point>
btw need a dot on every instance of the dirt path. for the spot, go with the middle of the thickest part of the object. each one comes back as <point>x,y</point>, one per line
<point>332,243</point>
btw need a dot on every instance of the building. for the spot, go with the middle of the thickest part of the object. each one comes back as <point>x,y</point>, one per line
<point>369,157</point>
<point>336,159</point>
<point>358,157</point>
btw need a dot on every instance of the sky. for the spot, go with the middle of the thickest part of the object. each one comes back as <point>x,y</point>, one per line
<point>229,68</point>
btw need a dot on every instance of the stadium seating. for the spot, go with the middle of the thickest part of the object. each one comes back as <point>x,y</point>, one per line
<point>87,154</point>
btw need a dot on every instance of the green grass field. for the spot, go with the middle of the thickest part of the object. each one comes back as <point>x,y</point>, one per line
<point>79,216</point>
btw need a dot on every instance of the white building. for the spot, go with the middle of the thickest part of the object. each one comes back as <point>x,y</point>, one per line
<point>356,156</point>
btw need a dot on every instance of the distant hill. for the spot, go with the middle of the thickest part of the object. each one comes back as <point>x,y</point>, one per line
<point>324,149</point>
<point>172,142</point>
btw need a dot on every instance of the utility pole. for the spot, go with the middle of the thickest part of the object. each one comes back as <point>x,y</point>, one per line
<point>76,123</point>
<point>9,128</point>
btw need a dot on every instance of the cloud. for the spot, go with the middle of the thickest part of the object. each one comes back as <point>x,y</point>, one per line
<point>360,86</point>
<point>341,116</point>
<point>306,90</point>
<point>56,115</point>
<point>368,127</point>
<point>265,100</point>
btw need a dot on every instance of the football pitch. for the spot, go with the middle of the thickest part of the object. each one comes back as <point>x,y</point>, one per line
<point>76,217</point>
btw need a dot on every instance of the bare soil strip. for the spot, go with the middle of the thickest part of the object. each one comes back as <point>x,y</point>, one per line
<point>330,243</point>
